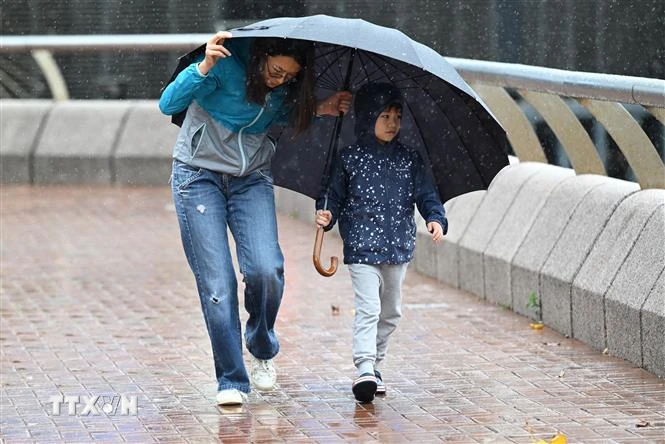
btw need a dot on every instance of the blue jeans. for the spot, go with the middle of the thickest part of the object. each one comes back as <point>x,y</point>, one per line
<point>206,203</point>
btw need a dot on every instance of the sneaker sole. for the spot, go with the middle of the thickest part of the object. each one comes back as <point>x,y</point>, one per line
<point>226,403</point>
<point>263,388</point>
<point>364,389</point>
<point>380,386</point>
<point>230,401</point>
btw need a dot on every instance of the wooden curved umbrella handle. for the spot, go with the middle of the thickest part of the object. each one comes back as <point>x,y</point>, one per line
<point>316,256</point>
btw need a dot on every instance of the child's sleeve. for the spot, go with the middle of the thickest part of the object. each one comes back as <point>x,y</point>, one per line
<point>427,197</point>
<point>336,193</point>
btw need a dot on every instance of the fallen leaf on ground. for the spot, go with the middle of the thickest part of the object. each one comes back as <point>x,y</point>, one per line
<point>557,439</point>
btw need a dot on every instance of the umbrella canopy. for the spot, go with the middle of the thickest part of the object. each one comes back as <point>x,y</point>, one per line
<point>442,116</point>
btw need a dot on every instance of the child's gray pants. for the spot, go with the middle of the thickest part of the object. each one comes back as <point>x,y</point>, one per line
<point>378,290</point>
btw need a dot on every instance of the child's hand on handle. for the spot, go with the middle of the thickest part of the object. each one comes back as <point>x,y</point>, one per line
<point>339,102</point>
<point>435,230</point>
<point>323,218</point>
<point>215,50</point>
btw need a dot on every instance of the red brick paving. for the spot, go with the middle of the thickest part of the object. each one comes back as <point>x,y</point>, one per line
<point>97,300</point>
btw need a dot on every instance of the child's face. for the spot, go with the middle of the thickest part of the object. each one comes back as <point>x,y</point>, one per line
<point>387,124</point>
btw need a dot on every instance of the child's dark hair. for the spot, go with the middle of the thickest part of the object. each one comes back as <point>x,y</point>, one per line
<point>396,105</point>
<point>300,92</point>
<point>370,101</point>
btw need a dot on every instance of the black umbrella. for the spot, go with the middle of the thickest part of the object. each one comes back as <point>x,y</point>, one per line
<point>183,62</point>
<point>442,116</point>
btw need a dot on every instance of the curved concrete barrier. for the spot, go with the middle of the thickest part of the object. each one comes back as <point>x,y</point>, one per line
<point>592,248</point>
<point>21,123</point>
<point>572,248</point>
<point>653,326</point>
<point>606,257</point>
<point>486,221</point>
<point>517,221</point>
<point>85,142</point>
<point>145,144</point>
<point>77,143</point>
<point>441,261</point>
<point>546,230</point>
<point>630,290</point>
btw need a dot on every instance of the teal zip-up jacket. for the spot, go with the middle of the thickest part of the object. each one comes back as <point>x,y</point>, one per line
<point>222,131</point>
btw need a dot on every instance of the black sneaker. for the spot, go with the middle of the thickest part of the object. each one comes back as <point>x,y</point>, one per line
<point>364,387</point>
<point>380,386</point>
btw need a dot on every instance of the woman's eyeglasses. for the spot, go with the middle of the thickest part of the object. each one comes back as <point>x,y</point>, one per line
<point>277,73</point>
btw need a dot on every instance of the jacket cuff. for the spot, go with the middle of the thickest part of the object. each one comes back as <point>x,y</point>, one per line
<point>319,206</point>
<point>198,71</point>
<point>443,223</point>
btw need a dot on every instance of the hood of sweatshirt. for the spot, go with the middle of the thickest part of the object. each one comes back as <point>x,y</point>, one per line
<point>369,101</point>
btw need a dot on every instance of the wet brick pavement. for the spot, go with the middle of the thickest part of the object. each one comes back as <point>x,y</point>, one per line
<point>97,300</point>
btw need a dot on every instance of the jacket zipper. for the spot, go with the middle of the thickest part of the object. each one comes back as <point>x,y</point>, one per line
<point>386,200</point>
<point>243,157</point>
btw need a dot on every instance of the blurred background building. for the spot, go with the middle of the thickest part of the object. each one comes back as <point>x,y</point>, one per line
<point>610,36</point>
<point>605,36</point>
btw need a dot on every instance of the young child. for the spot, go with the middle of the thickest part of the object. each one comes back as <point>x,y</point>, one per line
<point>374,187</point>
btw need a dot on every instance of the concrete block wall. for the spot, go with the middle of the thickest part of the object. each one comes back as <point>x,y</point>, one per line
<point>631,288</point>
<point>85,142</point>
<point>572,248</point>
<point>21,126</point>
<point>603,262</point>
<point>653,328</point>
<point>591,247</point>
<point>143,150</point>
<point>518,217</point>
<point>547,228</point>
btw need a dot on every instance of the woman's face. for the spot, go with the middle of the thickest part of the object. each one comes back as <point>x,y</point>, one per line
<point>279,70</point>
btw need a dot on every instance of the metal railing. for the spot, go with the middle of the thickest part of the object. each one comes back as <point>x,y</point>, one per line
<point>549,92</point>
<point>505,88</point>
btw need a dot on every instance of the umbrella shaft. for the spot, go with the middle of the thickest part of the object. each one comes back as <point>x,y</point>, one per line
<point>334,140</point>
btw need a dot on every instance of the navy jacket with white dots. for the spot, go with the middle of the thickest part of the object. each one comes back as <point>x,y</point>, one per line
<point>374,188</point>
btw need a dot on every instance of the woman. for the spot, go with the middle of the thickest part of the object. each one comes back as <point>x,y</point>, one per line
<point>221,178</point>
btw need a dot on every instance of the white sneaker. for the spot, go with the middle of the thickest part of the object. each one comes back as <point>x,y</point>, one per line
<point>230,397</point>
<point>263,374</point>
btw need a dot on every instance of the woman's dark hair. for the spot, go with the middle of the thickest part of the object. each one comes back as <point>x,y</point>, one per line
<point>300,92</point>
